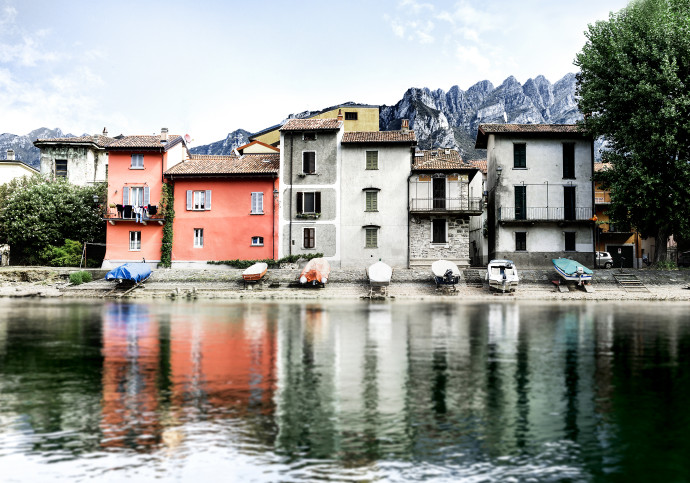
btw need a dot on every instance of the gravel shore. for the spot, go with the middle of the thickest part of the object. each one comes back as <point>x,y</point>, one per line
<point>407,284</point>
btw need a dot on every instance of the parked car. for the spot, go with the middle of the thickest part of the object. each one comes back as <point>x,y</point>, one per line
<point>604,260</point>
<point>684,259</point>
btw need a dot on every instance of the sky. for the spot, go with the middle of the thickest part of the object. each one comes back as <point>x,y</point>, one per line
<point>209,67</point>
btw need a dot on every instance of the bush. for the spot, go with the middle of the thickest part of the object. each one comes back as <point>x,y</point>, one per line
<point>241,264</point>
<point>77,278</point>
<point>666,265</point>
<point>68,255</point>
<point>86,277</point>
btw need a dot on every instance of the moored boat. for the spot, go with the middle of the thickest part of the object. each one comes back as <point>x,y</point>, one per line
<point>445,273</point>
<point>255,272</point>
<point>572,271</point>
<point>131,272</point>
<point>316,272</point>
<point>379,274</point>
<point>502,275</point>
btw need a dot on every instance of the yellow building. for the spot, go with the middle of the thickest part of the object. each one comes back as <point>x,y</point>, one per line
<point>357,117</point>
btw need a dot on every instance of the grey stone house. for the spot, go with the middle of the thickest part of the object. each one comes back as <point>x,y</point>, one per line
<point>540,192</point>
<point>444,194</point>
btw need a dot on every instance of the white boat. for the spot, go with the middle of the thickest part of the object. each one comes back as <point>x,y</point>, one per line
<point>379,274</point>
<point>445,273</point>
<point>255,272</point>
<point>316,272</point>
<point>502,275</point>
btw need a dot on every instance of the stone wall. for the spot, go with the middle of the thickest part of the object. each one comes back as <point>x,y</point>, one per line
<point>457,248</point>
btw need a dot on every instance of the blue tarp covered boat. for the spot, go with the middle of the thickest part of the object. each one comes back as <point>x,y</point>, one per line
<point>572,271</point>
<point>134,272</point>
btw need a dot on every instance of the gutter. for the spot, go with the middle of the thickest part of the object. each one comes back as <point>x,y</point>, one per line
<point>290,212</point>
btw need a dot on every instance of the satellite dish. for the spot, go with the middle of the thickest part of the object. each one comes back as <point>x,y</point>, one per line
<point>187,138</point>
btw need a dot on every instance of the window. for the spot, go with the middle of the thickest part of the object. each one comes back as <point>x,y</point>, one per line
<point>136,196</point>
<point>309,238</point>
<point>309,136</point>
<point>135,240</point>
<point>61,168</point>
<point>521,202</point>
<point>438,230</point>
<point>520,241</point>
<point>198,237</point>
<point>569,160</point>
<point>372,160</point>
<point>198,200</point>
<point>309,162</point>
<point>519,155</point>
<point>350,116</point>
<point>569,241</point>
<point>137,161</point>
<point>309,202</point>
<point>372,201</point>
<point>257,241</point>
<point>371,238</point>
<point>569,202</point>
<point>257,203</point>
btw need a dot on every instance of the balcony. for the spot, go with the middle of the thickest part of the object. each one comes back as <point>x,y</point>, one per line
<point>464,206</point>
<point>543,214</point>
<point>602,197</point>
<point>130,215</point>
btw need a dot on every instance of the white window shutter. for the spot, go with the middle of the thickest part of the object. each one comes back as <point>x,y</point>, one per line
<point>260,202</point>
<point>147,195</point>
<point>125,195</point>
<point>208,199</point>
<point>189,199</point>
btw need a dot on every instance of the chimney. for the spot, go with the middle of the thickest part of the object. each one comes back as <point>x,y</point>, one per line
<point>405,125</point>
<point>164,135</point>
<point>340,114</point>
<point>105,131</point>
<point>10,155</point>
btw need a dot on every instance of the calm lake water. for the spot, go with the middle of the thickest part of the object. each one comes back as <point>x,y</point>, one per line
<point>344,391</point>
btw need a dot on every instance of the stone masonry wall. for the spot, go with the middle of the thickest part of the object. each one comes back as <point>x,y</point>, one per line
<point>458,246</point>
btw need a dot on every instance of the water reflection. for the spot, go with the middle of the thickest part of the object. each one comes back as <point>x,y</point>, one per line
<point>349,391</point>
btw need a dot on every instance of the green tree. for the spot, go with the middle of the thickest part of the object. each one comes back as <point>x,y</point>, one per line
<point>37,213</point>
<point>634,89</point>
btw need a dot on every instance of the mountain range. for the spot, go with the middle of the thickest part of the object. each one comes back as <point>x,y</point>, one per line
<point>439,118</point>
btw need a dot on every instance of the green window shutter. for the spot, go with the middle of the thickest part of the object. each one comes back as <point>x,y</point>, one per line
<point>521,202</point>
<point>371,201</point>
<point>519,155</point>
<point>372,160</point>
<point>371,238</point>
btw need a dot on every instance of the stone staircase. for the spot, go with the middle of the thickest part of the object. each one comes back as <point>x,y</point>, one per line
<point>630,282</point>
<point>474,278</point>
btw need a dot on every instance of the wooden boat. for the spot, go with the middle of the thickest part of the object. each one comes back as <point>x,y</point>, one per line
<point>502,275</point>
<point>379,275</point>
<point>131,272</point>
<point>445,273</point>
<point>572,271</point>
<point>316,272</point>
<point>255,272</point>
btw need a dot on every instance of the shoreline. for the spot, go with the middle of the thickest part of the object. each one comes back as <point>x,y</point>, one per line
<point>345,284</point>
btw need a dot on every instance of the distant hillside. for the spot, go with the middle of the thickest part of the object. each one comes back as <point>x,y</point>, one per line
<point>24,150</point>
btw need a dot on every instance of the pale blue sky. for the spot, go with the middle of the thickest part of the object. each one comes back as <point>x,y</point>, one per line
<point>209,67</point>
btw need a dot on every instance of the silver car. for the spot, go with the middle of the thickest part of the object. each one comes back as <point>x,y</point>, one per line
<point>604,260</point>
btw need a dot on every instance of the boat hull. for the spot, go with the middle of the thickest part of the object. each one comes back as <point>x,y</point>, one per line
<point>132,272</point>
<point>502,275</point>
<point>255,272</point>
<point>316,272</point>
<point>571,271</point>
<point>445,272</point>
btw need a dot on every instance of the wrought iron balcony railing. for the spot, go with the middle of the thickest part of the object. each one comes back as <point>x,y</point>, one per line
<point>547,213</point>
<point>447,205</point>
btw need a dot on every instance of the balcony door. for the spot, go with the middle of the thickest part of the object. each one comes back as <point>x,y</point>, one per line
<point>569,202</point>
<point>439,193</point>
<point>521,202</point>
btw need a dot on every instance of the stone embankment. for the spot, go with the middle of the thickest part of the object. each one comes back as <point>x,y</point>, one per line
<point>218,282</point>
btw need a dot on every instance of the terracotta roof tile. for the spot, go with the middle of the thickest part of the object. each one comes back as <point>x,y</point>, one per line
<point>380,137</point>
<point>312,125</point>
<point>529,128</point>
<point>601,166</point>
<point>480,164</point>
<point>207,164</point>
<point>434,159</point>
<point>145,142</point>
<point>99,141</point>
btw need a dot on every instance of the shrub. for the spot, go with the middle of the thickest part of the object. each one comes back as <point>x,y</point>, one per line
<point>241,264</point>
<point>75,278</point>
<point>666,265</point>
<point>68,255</point>
<point>86,277</point>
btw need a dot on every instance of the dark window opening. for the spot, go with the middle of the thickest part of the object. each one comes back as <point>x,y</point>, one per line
<point>568,202</point>
<point>520,241</point>
<point>519,155</point>
<point>61,168</point>
<point>309,238</point>
<point>350,116</point>
<point>521,202</point>
<point>569,160</point>
<point>569,241</point>
<point>438,231</point>
<point>309,162</point>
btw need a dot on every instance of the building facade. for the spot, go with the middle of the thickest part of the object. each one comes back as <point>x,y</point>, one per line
<point>540,192</point>
<point>11,168</point>
<point>80,160</point>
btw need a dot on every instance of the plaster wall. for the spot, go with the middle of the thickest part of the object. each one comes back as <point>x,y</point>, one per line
<point>85,164</point>
<point>10,170</point>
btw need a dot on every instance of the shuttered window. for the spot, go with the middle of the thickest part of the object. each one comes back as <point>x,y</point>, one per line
<point>372,160</point>
<point>198,200</point>
<point>520,241</point>
<point>371,238</point>
<point>309,236</point>
<point>372,201</point>
<point>137,161</point>
<point>521,202</point>
<point>309,162</point>
<point>309,202</point>
<point>569,160</point>
<point>519,155</point>
<point>257,203</point>
<point>61,168</point>
<point>198,237</point>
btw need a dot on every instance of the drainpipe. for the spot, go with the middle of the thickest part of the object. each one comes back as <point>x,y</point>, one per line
<point>409,216</point>
<point>290,211</point>
<point>594,227</point>
<point>273,225</point>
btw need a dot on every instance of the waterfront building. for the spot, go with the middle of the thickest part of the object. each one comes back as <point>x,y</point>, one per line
<point>225,208</point>
<point>479,253</point>
<point>540,192</point>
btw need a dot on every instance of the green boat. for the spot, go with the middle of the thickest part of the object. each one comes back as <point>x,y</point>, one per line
<point>572,271</point>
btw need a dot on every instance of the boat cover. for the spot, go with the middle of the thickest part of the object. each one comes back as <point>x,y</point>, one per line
<point>316,271</point>
<point>255,272</point>
<point>569,267</point>
<point>380,273</point>
<point>136,272</point>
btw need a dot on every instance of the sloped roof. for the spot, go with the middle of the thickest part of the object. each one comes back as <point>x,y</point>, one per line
<point>484,130</point>
<point>145,142</point>
<point>479,164</point>
<point>379,137</point>
<point>312,125</point>
<point>435,159</point>
<point>213,165</point>
<point>601,166</point>
<point>99,141</point>
<point>252,143</point>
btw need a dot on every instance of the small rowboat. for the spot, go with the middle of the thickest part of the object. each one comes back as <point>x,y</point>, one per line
<point>572,271</point>
<point>379,277</point>
<point>255,272</point>
<point>316,272</point>
<point>445,273</point>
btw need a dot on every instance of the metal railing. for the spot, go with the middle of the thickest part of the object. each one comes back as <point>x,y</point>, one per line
<point>601,196</point>
<point>547,213</point>
<point>447,204</point>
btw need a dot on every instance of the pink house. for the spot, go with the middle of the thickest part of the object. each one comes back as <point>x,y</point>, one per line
<point>135,179</point>
<point>225,208</point>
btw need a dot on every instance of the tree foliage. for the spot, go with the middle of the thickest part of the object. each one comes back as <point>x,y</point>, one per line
<point>37,213</point>
<point>634,89</point>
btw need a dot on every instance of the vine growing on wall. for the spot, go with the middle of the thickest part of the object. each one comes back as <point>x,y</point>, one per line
<point>167,203</point>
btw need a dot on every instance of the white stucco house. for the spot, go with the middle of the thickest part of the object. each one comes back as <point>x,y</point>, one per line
<point>540,192</point>
<point>11,168</point>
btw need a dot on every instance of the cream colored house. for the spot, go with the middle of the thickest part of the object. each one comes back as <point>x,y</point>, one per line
<point>11,168</point>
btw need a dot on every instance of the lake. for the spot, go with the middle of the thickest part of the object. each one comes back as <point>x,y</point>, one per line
<point>344,391</point>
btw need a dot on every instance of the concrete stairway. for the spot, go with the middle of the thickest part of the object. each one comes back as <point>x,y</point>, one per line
<point>630,282</point>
